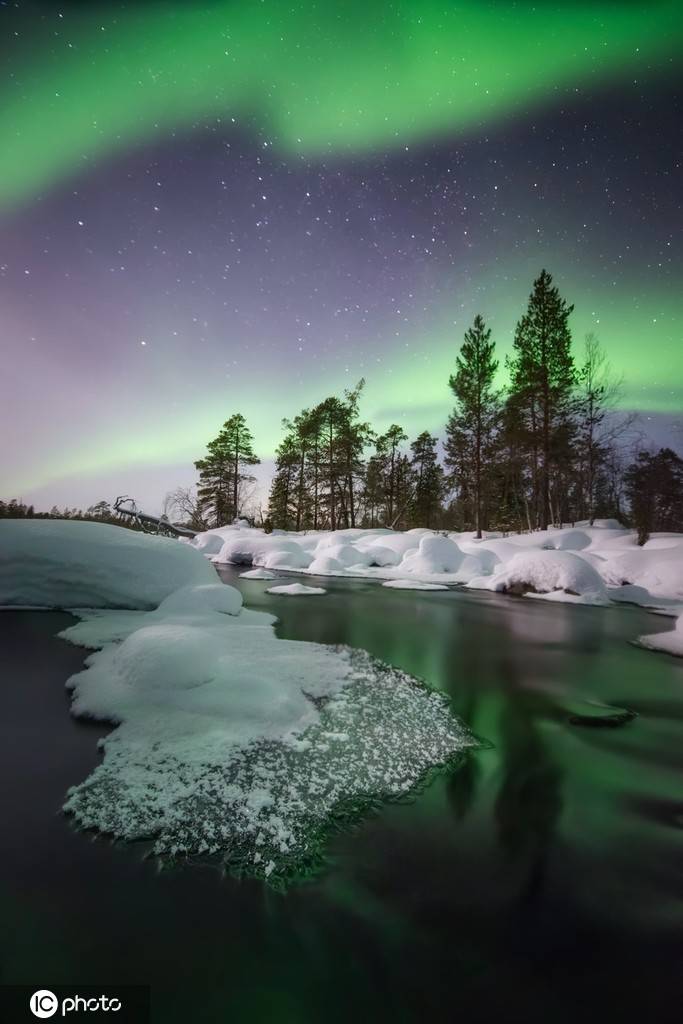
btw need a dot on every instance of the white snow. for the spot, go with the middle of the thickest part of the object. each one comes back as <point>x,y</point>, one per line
<point>580,564</point>
<point>550,572</point>
<point>295,590</point>
<point>671,641</point>
<point>258,574</point>
<point>55,563</point>
<point>227,739</point>
<point>233,741</point>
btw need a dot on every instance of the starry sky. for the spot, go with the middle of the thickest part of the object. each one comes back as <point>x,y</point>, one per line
<point>220,206</point>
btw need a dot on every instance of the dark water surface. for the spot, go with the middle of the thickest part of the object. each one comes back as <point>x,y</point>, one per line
<point>539,883</point>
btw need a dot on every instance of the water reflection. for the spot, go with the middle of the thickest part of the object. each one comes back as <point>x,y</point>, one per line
<point>549,799</point>
<point>537,883</point>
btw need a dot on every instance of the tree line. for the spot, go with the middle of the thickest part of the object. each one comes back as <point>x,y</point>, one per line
<point>100,512</point>
<point>549,447</point>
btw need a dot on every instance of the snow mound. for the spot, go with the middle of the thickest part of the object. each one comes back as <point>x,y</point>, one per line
<point>671,642</point>
<point>413,585</point>
<point>57,563</point>
<point>658,569</point>
<point>568,540</point>
<point>544,572</point>
<point>344,554</point>
<point>651,575</point>
<point>258,574</point>
<point>295,590</point>
<point>381,555</point>
<point>434,554</point>
<point>270,551</point>
<point>325,565</point>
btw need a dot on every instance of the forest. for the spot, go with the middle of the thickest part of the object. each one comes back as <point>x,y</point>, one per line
<point>550,447</point>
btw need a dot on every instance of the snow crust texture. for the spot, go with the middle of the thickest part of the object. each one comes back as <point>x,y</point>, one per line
<point>233,742</point>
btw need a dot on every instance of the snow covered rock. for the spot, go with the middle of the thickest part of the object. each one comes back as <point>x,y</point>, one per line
<point>57,563</point>
<point>435,554</point>
<point>545,572</point>
<point>381,555</point>
<point>270,551</point>
<point>325,565</point>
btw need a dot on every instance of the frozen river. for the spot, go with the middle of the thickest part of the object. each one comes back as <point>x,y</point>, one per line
<point>540,882</point>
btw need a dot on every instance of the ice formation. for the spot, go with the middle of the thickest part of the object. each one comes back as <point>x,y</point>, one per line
<point>227,740</point>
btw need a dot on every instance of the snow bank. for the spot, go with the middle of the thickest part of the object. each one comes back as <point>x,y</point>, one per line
<point>585,563</point>
<point>657,568</point>
<point>671,642</point>
<point>56,563</point>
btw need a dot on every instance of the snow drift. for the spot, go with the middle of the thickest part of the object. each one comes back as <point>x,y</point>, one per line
<point>54,563</point>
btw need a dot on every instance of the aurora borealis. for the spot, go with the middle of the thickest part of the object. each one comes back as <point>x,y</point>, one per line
<point>220,206</point>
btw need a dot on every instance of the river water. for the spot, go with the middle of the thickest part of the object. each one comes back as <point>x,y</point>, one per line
<point>541,882</point>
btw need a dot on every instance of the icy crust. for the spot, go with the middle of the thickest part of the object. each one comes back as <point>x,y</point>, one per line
<point>234,742</point>
<point>580,564</point>
<point>55,563</point>
<point>266,808</point>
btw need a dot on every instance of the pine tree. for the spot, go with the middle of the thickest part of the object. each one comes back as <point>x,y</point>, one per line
<point>427,481</point>
<point>221,473</point>
<point>282,504</point>
<point>654,488</point>
<point>388,462</point>
<point>471,428</point>
<point>353,438</point>
<point>542,378</point>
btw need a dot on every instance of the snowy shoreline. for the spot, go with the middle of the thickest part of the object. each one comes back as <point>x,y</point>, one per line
<point>589,565</point>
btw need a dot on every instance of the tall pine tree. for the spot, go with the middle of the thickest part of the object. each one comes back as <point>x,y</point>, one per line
<point>542,377</point>
<point>221,476</point>
<point>427,481</point>
<point>472,425</point>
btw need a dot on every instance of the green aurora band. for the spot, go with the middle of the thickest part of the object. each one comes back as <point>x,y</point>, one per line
<point>413,390</point>
<point>339,76</point>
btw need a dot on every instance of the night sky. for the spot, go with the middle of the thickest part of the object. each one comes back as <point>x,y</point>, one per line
<point>244,206</point>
